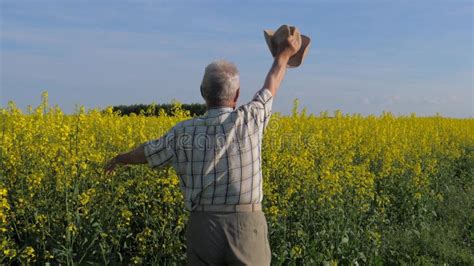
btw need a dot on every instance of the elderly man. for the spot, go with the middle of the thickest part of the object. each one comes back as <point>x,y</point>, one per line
<point>218,160</point>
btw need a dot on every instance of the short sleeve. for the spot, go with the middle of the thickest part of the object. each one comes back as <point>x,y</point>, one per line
<point>260,106</point>
<point>160,152</point>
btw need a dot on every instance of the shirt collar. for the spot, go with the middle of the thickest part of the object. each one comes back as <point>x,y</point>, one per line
<point>216,111</point>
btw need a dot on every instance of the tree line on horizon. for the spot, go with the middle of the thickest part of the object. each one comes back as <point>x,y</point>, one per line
<point>195,109</point>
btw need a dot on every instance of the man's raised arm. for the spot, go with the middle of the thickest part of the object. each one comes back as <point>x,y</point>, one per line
<point>278,69</point>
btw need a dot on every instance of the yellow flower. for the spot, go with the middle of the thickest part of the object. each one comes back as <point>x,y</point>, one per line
<point>71,228</point>
<point>9,253</point>
<point>295,252</point>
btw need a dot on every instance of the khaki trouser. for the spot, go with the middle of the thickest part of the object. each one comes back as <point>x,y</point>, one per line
<point>223,238</point>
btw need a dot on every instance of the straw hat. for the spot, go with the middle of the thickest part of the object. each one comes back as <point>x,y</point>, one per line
<point>273,39</point>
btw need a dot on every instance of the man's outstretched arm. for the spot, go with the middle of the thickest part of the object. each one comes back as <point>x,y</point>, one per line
<point>277,71</point>
<point>135,156</point>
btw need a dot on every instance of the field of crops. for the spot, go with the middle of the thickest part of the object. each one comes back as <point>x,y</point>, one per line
<point>339,189</point>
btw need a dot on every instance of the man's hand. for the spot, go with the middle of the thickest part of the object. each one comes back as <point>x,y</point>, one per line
<point>286,49</point>
<point>136,156</point>
<point>112,164</point>
<point>289,47</point>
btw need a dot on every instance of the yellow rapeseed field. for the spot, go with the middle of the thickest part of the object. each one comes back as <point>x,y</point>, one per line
<point>338,189</point>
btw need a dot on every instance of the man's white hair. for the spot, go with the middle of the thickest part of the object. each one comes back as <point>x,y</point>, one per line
<point>220,82</point>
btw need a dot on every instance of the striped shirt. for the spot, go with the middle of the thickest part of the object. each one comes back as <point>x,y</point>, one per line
<point>217,156</point>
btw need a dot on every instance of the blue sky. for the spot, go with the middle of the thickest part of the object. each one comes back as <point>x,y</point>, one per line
<point>366,56</point>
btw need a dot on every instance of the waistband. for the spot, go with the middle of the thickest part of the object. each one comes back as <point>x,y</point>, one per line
<point>228,208</point>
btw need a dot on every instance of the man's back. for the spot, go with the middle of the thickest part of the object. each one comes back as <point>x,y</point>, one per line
<point>218,159</point>
<point>217,156</point>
